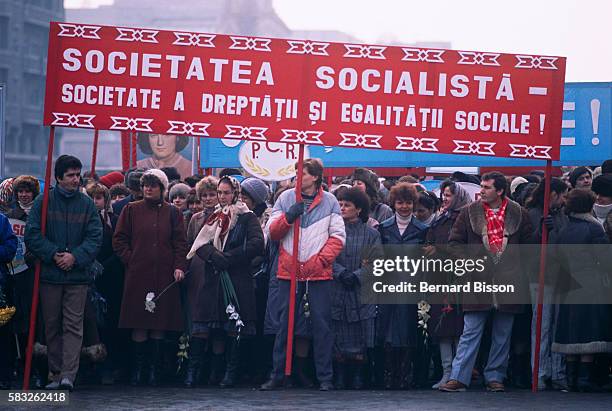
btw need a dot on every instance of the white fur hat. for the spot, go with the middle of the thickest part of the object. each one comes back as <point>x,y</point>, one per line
<point>161,176</point>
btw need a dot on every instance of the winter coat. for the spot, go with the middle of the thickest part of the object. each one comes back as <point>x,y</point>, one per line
<point>150,240</point>
<point>470,229</point>
<point>397,323</point>
<point>381,212</point>
<point>196,223</point>
<point>73,225</point>
<point>244,243</point>
<point>23,284</point>
<point>560,220</point>
<point>110,283</point>
<point>8,247</point>
<point>346,301</point>
<point>449,324</point>
<point>584,328</point>
<point>322,236</point>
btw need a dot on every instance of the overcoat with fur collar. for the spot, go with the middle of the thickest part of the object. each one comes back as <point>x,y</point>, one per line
<point>470,229</point>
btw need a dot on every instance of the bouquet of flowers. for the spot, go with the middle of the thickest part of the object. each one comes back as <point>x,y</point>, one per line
<point>423,308</point>
<point>230,299</point>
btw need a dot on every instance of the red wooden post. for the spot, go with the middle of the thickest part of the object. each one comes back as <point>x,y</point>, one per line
<point>134,141</point>
<point>538,340</point>
<point>295,263</point>
<point>125,150</point>
<point>94,154</point>
<point>43,229</point>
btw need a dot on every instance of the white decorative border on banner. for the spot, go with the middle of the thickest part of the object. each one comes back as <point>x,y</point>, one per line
<point>537,62</point>
<point>316,48</point>
<point>182,127</point>
<point>250,43</point>
<point>133,124</point>
<point>416,144</point>
<point>79,30</point>
<point>360,140</point>
<point>478,58</point>
<point>137,35</point>
<point>474,147</point>
<point>525,151</point>
<point>425,55</point>
<point>366,52</point>
<point>302,136</point>
<point>246,133</point>
<point>193,39</point>
<point>73,120</point>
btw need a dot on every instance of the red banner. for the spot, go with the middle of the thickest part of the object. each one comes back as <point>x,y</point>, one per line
<point>302,91</point>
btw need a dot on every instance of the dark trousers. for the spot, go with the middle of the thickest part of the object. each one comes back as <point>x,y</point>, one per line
<point>318,325</point>
<point>63,308</point>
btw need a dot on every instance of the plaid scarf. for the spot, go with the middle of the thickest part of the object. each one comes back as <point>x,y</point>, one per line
<point>495,225</point>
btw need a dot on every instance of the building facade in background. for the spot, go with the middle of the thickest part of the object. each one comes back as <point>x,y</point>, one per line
<point>24,36</point>
<point>24,27</point>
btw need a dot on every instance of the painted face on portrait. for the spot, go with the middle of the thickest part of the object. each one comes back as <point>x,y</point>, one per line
<point>162,145</point>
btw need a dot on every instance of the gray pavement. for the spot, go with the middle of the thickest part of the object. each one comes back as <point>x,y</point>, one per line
<point>169,398</point>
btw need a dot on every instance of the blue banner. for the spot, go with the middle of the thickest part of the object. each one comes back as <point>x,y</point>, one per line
<point>586,140</point>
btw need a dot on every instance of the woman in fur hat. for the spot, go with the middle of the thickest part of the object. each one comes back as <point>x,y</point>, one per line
<point>150,240</point>
<point>367,181</point>
<point>229,240</point>
<point>26,189</point>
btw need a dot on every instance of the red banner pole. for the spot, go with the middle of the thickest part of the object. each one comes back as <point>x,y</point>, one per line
<point>296,267</point>
<point>43,229</point>
<point>134,141</point>
<point>94,154</point>
<point>543,246</point>
<point>125,150</point>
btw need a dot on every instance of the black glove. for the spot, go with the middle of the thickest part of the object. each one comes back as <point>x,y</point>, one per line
<point>348,279</point>
<point>294,212</point>
<point>219,260</point>
<point>549,222</point>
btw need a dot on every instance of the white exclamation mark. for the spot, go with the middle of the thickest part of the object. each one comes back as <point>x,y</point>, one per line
<point>595,120</point>
<point>542,121</point>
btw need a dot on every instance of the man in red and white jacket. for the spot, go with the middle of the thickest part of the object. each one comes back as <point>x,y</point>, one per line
<point>322,238</point>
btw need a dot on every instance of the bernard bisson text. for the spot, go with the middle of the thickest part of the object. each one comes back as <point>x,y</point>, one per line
<point>425,287</point>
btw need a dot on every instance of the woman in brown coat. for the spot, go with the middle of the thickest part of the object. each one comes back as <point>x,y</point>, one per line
<point>150,240</point>
<point>228,242</point>
<point>446,321</point>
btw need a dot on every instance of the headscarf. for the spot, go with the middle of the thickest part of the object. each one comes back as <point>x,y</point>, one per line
<point>460,198</point>
<point>221,221</point>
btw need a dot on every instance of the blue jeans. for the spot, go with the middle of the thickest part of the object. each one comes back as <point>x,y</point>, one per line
<point>469,343</point>
<point>552,364</point>
<point>320,294</point>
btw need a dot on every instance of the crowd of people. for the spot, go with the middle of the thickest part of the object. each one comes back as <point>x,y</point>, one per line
<point>146,279</point>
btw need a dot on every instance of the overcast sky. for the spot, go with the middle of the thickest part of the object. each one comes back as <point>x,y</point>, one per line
<point>580,30</point>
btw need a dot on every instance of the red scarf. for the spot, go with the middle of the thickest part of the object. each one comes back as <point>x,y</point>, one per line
<point>495,225</point>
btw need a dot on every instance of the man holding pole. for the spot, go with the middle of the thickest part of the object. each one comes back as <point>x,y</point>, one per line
<point>73,237</point>
<point>322,239</point>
